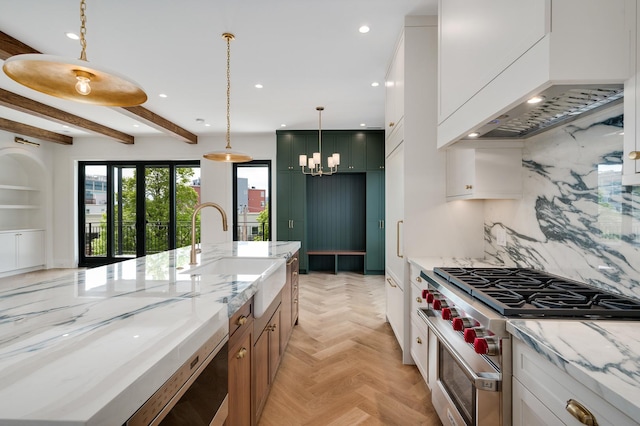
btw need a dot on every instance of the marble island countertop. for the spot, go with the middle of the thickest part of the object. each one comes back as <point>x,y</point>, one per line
<point>90,347</point>
<point>602,355</point>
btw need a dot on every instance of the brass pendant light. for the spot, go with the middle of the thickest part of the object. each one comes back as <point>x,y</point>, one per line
<point>74,79</point>
<point>228,155</point>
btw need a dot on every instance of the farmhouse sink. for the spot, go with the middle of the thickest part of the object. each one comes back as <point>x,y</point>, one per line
<point>271,272</point>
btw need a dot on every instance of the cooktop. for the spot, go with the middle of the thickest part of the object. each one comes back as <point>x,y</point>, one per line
<point>531,293</point>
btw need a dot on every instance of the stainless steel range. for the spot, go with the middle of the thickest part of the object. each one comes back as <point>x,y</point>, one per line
<point>470,348</point>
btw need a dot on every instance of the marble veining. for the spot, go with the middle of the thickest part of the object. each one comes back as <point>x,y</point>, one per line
<point>428,263</point>
<point>90,347</point>
<point>602,355</point>
<point>575,218</point>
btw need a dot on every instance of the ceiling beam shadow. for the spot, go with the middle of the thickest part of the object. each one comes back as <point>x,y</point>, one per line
<point>10,46</point>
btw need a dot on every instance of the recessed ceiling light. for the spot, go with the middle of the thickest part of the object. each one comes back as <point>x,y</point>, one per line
<point>535,100</point>
<point>162,95</point>
<point>207,125</point>
<point>136,125</point>
<point>283,125</point>
<point>258,86</point>
<point>363,125</point>
<point>364,29</point>
<point>64,126</point>
<point>474,135</point>
<point>375,84</point>
<point>72,36</point>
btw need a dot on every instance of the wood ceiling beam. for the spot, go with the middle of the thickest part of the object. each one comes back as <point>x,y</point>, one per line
<point>34,132</point>
<point>10,46</point>
<point>29,106</point>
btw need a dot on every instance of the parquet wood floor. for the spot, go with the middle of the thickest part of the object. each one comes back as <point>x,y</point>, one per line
<point>343,365</point>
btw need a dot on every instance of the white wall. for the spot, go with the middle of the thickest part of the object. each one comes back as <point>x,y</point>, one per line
<point>216,179</point>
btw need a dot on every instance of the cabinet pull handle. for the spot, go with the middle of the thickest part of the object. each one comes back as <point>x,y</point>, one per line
<point>419,299</point>
<point>419,279</point>
<point>241,353</point>
<point>398,238</point>
<point>419,340</point>
<point>634,155</point>
<point>581,413</point>
<point>391,283</point>
<point>468,187</point>
<point>295,300</point>
<point>242,320</point>
<point>391,124</point>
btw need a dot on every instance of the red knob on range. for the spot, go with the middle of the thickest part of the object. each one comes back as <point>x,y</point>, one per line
<point>425,293</point>
<point>429,297</point>
<point>480,345</point>
<point>437,304</point>
<point>469,335</point>
<point>446,313</point>
<point>458,324</point>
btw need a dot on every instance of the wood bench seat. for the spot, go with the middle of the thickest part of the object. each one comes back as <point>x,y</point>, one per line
<point>336,253</point>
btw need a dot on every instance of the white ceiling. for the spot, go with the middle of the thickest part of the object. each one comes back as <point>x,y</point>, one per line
<point>306,53</point>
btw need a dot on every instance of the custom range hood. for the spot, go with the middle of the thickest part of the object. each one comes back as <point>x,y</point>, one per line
<point>555,106</point>
<point>573,55</point>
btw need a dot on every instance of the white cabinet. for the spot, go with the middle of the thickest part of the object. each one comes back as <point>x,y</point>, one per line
<point>419,329</point>
<point>494,54</point>
<point>395,307</point>
<point>482,173</point>
<point>394,90</point>
<point>22,249</point>
<point>631,150</point>
<point>541,393</point>
<point>410,148</point>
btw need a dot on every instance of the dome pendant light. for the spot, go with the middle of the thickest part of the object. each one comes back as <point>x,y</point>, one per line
<point>228,156</point>
<point>74,79</point>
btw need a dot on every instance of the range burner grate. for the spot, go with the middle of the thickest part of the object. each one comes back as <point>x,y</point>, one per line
<point>531,293</point>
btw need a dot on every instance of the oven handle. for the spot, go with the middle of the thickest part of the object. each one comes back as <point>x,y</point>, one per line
<point>491,382</point>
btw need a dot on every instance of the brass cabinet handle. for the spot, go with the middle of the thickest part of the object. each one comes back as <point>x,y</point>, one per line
<point>581,413</point>
<point>419,340</point>
<point>391,124</point>
<point>398,238</point>
<point>295,300</point>
<point>419,279</point>
<point>419,299</point>
<point>391,283</point>
<point>241,353</point>
<point>242,320</point>
<point>468,187</point>
<point>634,155</point>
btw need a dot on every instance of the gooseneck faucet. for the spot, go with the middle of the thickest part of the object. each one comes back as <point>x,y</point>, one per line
<point>199,207</point>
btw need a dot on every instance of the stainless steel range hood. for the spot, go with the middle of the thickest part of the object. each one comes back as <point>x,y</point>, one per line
<point>557,105</point>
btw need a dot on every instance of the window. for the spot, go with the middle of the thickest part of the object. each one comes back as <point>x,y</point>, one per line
<point>251,189</point>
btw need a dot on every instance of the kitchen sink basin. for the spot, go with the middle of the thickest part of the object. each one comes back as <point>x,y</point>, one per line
<point>271,273</point>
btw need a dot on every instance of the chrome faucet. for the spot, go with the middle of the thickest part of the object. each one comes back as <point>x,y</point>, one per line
<point>199,207</point>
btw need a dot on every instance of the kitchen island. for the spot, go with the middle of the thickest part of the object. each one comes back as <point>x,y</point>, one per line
<point>91,347</point>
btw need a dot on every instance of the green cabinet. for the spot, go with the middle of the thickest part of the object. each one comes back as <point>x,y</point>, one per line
<point>375,151</point>
<point>291,196</point>
<point>352,147</point>
<point>290,145</point>
<point>375,223</point>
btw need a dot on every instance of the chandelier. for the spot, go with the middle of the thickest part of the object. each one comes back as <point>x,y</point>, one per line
<point>228,155</point>
<point>314,164</point>
<point>74,79</point>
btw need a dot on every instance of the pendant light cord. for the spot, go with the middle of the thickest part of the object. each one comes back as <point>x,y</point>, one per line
<point>229,37</point>
<point>83,30</point>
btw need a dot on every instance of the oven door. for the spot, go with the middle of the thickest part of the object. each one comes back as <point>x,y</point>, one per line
<point>467,389</point>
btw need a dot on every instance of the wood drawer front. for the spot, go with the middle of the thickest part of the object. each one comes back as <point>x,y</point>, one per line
<point>243,318</point>
<point>553,388</point>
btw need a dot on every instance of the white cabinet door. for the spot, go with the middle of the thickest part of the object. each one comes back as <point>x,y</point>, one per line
<point>7,251</point>
<point>394,90</point>
<point>528,410</point>
<point>394,212</point>
<point>30,249</point>
<point>395,308</point>
<point>420,346</point>
<point>631,150</point>
<point>484,173</point>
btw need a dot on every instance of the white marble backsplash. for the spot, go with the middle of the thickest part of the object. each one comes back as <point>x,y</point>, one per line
<point>575,219</point>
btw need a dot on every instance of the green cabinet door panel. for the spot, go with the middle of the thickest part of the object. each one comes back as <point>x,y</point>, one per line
<point>374,260</point>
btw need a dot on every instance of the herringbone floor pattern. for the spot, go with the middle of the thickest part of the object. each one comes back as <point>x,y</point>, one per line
<point>343,365</point>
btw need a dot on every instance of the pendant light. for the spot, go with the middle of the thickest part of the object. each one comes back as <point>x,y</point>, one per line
<point>74,79</point>
<point>228,155</point>
<point>315,163</point>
